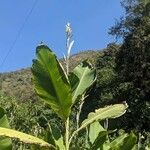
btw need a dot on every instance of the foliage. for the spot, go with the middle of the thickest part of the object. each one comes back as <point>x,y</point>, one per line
<point>46,59</point>
<point>103,91</point>
<point>30,117</point>
<point>122,74</point>
<point>5,143</point>
<point>23,137</point>
<point>101,139</point>
<point>18,83</point>
<point>132,63</point>
<point>79,85</point>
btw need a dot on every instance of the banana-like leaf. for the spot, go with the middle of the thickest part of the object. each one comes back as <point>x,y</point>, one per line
<point>50,81</point>
<point>25,138</point>
<point>124,142</point>
<point>5,143</point>
<point>82,77</point>
<point>112,111</point>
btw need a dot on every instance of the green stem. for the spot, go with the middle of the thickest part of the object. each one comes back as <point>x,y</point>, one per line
<point>78,113</point>
<point>73,134</point>
<point>67,134</point>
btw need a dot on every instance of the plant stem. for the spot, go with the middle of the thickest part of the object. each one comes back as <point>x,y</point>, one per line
<point>73,134</point>
<point>80,108</point>
<point>67,134</point>
<point>78,113</point>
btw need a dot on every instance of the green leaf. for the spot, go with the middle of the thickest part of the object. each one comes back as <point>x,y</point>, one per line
<point>50,81</point>
<point>82,77</point>
<point>3,119</point>
<point>99,141</point>
<point>94,130</point>
<point>97,136</point>
<point>112,111</point>
<point>118,141</point>
<point>136,147</point>
<point>25,138</point>
<point>5,143</point>
<point>147,147</point>
<point>124,142</point>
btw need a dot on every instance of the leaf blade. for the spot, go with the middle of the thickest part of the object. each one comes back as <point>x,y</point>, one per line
<point>112,111</point>
<point>94,130</point>
<point>50,81</point>
<point>23,137</point>
<point>86,76</point>
<point>124,142</point>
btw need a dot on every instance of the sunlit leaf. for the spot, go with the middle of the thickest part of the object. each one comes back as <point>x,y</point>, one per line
<point>25,138</point>
<point>81,78</point>
<point>112,111</point>
<point>50,81</point>
<point>94,130</point>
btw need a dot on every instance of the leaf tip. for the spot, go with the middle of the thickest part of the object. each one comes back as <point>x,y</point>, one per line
<point>42,46</point>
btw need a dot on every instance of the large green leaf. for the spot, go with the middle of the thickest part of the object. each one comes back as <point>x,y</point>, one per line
<point>50,81</point>
<point>5,143</point>
<point>112,111</point>
<point>25,138</point>
<point>82,77</point>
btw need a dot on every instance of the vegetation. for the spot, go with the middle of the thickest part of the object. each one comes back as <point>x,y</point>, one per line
<point>80,104</point>
<point>132,63</point>
<point>48,83</point>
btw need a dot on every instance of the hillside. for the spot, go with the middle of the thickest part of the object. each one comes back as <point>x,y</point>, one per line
<point>18,83</point>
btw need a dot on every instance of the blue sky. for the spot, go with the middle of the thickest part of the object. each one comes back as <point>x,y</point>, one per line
<point>90,20</point>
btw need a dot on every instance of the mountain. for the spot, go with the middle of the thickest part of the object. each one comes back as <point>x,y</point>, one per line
<point>18,84</point>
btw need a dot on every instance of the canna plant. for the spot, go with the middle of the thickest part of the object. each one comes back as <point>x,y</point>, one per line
<point>61,89</point>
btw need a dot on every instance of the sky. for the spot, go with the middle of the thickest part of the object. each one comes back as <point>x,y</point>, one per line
<point>25,23</point>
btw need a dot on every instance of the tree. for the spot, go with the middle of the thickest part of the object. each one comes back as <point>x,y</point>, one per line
<point>133,62</point>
